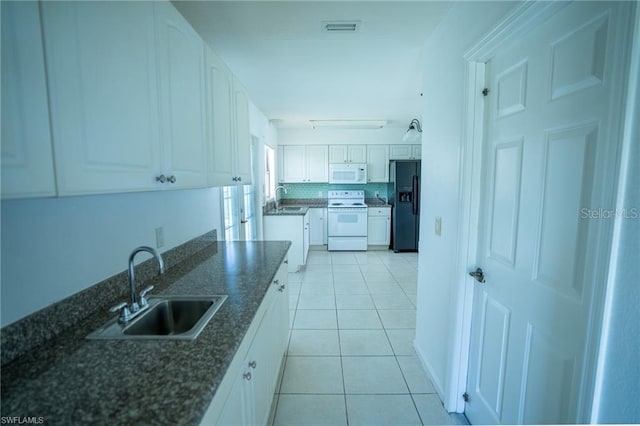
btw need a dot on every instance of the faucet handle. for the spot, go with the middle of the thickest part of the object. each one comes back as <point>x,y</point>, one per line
<point>125,314</point>
<point>143,293</point>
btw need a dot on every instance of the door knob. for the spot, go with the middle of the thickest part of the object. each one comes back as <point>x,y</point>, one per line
<point>478,275</point>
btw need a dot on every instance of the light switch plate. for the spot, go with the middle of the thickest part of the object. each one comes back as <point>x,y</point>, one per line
<point>159,237</point>
<point>438,226</point>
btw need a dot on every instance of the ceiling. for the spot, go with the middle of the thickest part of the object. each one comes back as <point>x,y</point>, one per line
<point>295,71</point>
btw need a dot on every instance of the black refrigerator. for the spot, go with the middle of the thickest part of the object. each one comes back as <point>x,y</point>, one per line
<point>404,196</point>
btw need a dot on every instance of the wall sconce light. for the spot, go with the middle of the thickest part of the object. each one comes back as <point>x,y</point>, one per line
<point>413,133</point>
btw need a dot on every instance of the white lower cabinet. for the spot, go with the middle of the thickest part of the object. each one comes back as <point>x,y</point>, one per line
<point>317,226</point>
<point>379,226</point>
<point>294,228</point>
<point>246,393</point>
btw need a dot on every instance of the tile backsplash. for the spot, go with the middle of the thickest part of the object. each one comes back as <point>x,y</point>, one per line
<point>319,190</point>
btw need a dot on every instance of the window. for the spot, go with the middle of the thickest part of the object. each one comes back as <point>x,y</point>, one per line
<point>230,203</point>
<point>269,173</point>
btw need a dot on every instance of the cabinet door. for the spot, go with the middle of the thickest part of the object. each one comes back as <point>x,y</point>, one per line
<point>27,159</point>
<point>378,163</point>
<point>357,153</point>
<point>101,67</point>
<point>317,226</point>
<point>400,152</point>
<point>338,154</point>
<point>293,163</point>
<point>242,136</point>
<point>305,239</point>
<point>378,230</point>
<point>264,359</point>
<point>181,69</point>
<point>219,119</point>
<point>416,152</point>
<point>317,157</point>
<point>235,410</point>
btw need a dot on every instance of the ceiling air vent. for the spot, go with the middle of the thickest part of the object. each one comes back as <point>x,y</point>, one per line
<point>341,26</point>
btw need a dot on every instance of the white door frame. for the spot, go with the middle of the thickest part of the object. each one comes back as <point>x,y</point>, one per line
<point>523,19</point>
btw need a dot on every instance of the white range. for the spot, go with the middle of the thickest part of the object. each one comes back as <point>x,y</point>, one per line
<point>347,221</point>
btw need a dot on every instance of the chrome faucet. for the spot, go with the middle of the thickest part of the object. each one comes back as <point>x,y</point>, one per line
<point>286,191</point>
<point>137,303</point>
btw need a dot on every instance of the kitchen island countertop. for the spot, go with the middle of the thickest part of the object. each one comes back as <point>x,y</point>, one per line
<point>72,380</point>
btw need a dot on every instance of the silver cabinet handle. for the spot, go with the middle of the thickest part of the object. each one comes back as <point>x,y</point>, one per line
<point>172,179</point>
<point>281,288</point>
<point>276,282</point>
<point>161,178</point>
<point>247,375</point>
<point>252,364</point>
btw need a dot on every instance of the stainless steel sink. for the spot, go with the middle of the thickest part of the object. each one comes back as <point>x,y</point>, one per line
<point>290,209</point>
<point>169,317</point>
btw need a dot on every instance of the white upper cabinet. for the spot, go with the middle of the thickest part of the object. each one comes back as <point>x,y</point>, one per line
<point>416,151</point>
<point>27,159</point>
<point>305,164</point>
<point>378,163</point>
<point>126,97</point>
<point>181,69</point>
<point>101,67</point>
<point>219,119</point>
<point>227,124</point>
<point>405,152</point>
<point>242,133</point>
<point>347,153</point>
<point>317,164</point>
<point>294,158</point>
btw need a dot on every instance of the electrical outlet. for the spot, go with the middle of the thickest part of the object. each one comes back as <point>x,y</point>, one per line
<point>159,237</point>
<point>438,226</point>
<point>377,194</point>
<point>320,194</point>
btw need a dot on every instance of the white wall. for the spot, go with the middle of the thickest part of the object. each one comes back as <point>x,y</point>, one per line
<point>308,136</point>
<point>261,128</point>
<point>55,247</point>
<point>443,84</point>
<point>618,379</point>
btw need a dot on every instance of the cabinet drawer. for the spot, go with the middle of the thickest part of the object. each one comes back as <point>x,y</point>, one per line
<point>379,211</point>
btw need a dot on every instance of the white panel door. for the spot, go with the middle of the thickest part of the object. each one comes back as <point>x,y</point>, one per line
<point>181,70</point>
<point>103,94</point>
<point>545,157</point>
<point>27,154</point>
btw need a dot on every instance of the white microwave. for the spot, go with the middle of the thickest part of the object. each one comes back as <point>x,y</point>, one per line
<point>347,173</point>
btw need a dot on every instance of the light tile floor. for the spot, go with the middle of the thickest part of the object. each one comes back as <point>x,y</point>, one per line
<point>351,359</point>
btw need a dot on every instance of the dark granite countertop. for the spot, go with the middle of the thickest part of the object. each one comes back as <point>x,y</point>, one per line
<point>71,380</point>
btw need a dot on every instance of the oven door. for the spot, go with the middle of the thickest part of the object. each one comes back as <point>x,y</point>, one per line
<point>347,222</point>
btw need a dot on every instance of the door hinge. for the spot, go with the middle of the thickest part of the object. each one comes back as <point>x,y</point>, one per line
<point>465,396</point>
<point>485,91</point>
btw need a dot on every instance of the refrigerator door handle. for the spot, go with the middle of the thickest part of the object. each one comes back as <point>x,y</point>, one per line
<point>414,198</point>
